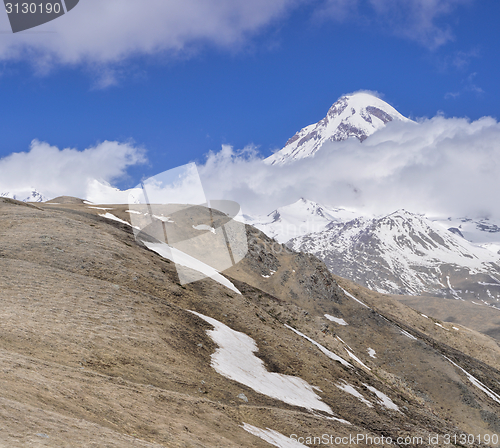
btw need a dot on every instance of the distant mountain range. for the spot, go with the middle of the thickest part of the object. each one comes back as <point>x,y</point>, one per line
<point>300,218</point>
<point>404,253</point>
<point>398,253</point>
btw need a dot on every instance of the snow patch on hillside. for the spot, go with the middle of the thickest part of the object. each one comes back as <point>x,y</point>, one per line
<point>346,387</point>
<point>273,437</point>
<point>108,215</point>
<point>477,383</point>
<point>235,359</point>
<point>327,352</point>
<point>337,320</point>
<point>384,400</point>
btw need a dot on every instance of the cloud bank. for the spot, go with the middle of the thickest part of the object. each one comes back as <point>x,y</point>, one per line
<point>110,31</point>
<point>439,166</point>
<point>70,172</point>
<point>103,34</point>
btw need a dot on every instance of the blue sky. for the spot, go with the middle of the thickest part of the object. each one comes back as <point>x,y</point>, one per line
<point>256,77</point>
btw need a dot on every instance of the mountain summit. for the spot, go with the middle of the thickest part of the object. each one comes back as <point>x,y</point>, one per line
<point>355,115</point>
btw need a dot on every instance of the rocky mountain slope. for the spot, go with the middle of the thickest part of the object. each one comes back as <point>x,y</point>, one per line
<point>356,115</point>
<point>102,346</point>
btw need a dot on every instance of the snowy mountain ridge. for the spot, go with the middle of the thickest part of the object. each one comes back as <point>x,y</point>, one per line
<point>405,253</point>
<point>355,115</point>
<point>398,253</point>
<point>300,218</point>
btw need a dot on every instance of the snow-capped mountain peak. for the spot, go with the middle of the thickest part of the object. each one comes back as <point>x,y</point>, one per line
<point>25,195</point>
<point>355,115</point>
<point>301,208</point>
<point>302,217</point>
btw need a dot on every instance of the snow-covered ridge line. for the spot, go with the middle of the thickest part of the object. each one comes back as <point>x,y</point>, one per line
<point>404,253</point>
<point>300,218</point>
<point>25,195</point>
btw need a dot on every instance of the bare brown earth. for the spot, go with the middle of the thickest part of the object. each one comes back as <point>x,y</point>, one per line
<point>478,316</point>
<point>468,341</point>
<point>98,348</point>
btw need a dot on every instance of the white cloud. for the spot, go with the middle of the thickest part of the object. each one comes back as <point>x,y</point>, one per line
<point>451,95</point>
<point>416,19</point>
<point>412,19</point>
<point>469,86</point>
<point>101,32</point>
<point>103,35</point>
<point>56,172</point>
<point>441,165</point>
<point>445,166</point>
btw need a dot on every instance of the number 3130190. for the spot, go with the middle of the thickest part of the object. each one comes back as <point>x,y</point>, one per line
<point>32,8</point>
